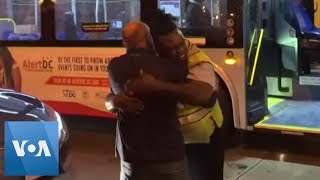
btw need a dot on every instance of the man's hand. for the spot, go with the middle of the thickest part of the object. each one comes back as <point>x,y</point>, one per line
<point>126,103</point>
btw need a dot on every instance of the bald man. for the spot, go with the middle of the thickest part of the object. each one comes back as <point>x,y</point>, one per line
<point>149,144</point>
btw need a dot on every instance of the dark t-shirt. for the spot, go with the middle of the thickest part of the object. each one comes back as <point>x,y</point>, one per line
<point>153,135</point>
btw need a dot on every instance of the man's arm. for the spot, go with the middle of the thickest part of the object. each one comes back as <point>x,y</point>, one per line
<point>192,92</point>
<point>119,99</point>
<point>115,86</point>
<point>205,72</point>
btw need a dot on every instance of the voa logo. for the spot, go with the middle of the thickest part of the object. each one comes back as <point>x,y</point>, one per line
<point>31,148</point>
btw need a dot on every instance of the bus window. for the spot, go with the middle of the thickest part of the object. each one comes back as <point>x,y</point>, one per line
<point>207,19</point>
<point>73,15</point>
<point>19,20</point>
<point>196,13</point>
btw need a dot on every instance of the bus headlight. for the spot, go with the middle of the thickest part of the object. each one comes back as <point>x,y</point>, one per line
<point>230,61</point>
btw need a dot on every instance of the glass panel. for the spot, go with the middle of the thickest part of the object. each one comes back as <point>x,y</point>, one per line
<point>19,20</point>
<point>72,15</point>
<point>197,13</point>
<point>205,18</point>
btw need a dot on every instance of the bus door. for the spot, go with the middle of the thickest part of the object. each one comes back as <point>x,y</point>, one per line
<point>288,61</point>
<point>256,82</point>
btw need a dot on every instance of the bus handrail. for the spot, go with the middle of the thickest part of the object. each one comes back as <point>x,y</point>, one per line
<point>251,42</point>
<point>9,19</point>
<point>256,58</point>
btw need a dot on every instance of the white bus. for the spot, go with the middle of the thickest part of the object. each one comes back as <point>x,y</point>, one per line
<point>265,51</point>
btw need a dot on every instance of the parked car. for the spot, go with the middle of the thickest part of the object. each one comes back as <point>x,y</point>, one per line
<point>16,106</point>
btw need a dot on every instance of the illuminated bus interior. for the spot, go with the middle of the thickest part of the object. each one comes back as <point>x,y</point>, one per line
<point>71,15</point>
<point>20,20</point>
<point>283,81</point>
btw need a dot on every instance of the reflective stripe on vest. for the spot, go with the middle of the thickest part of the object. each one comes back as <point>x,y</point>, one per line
<point>194,116</point>
<point>185,109</point>
<point>199,126</point>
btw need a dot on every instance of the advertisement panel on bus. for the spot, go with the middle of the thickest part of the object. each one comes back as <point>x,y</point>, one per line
<point>72,80</point>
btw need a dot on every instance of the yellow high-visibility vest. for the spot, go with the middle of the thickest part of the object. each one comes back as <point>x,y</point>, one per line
<point>198,123</point>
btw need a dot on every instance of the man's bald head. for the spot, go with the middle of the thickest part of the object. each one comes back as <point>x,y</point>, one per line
<point>136,34</point>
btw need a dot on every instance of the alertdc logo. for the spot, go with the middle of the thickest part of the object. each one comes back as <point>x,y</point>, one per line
<point>31,148</point>
<point>45,64</point>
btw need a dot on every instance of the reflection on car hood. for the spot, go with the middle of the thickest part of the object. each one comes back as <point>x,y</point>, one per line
<point>18,106</point>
